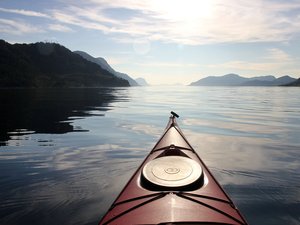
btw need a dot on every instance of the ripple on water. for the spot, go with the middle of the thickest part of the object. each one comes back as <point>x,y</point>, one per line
<point>248,137</point>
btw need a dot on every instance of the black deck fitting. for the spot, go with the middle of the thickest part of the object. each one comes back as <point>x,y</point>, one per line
<point>174,114</point>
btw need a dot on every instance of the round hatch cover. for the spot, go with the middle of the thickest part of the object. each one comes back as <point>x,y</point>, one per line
<point>172,171</point>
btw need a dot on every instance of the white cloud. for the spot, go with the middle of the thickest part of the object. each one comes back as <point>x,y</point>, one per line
<point>191,22</point>
<point>278,55</point>
<point>247,66</point>
<point>168,64</point>
<point>187,22</point>
<point>24,12</point>
<point>18,27</point>
<point>274,60</point>
<point>59,27</point>
<point>74,18</point>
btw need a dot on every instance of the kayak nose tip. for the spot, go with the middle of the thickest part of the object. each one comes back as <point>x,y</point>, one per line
<point>174,114</point>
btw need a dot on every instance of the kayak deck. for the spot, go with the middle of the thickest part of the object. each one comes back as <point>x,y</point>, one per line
<point>173,186</point>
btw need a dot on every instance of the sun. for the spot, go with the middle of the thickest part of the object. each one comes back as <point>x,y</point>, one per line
<point>185,10</point>
<point>185,18</point>
<point>186,22</point>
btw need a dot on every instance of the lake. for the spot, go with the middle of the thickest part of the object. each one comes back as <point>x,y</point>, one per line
<point>65,154</point>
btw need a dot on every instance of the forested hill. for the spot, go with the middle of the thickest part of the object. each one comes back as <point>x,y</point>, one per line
<point>104,64</point>
<point>237,80</point>
<point>295,83</point>
<point>50,65</point>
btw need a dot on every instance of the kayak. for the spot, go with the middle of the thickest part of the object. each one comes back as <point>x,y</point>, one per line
<point>172,186</point>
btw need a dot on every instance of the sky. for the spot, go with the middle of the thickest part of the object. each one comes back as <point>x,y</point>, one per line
<point>166,41</point>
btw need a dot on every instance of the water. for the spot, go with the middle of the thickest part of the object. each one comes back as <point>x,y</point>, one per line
<point>66,154</point>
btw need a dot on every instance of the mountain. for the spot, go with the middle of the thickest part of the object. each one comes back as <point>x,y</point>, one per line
<point>141,81</point>
<point>103,63</point>
<point>226,80</point>
<point>284,80</point>
<point>294,83</point>
<point>50,65</point>
<point>264,78</point>
<point>237,80</point>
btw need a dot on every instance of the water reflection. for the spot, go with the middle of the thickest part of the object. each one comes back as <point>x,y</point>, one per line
<point>72,185</point>
<point>26,111</point>
<point>248,137</point>
<point>259,172</point>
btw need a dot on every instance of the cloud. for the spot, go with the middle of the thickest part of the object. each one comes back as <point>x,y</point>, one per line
<point>18,27</point>
<point>274,60</point>
<point>74,17</point>
<point>24,12</point>
<point>246,66</point>
<point>168,64</point>
<point>59,27</point>
<point>189,22</point>
<point>278,55</point>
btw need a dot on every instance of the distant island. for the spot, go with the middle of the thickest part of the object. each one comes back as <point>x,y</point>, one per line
<point>50,65</point>
<point>237,80</point>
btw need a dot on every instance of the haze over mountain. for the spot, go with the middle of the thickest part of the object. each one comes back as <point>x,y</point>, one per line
<point>141,81</point>
<point>50,65</point>
<point>237,80</point>
<point>103,63</point>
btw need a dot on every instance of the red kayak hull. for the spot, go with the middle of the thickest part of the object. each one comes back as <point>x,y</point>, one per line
<point>201,202</point>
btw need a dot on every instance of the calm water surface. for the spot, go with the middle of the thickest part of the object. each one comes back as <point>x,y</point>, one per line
<point>66,154</point>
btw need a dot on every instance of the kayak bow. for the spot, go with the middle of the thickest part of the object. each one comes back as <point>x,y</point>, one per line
<point>173,186</point>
